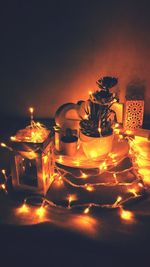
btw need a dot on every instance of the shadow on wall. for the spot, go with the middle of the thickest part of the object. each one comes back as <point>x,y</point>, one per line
<point>135,89</point>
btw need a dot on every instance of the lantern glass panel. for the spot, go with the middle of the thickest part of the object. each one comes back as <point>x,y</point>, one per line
<point>27,171</point>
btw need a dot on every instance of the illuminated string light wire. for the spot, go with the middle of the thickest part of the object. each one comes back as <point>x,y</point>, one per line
<point>3,185</point>
<point>92,185</point>
<point>31,110</point>
<point>4,174</point>
<point>6,146</point>
<point>40,211</point>
<point>106,166</point>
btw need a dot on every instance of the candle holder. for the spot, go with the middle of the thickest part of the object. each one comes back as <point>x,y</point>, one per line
<point>32,164</point>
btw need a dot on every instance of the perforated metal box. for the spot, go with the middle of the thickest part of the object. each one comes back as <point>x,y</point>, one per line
<point>133,114</point>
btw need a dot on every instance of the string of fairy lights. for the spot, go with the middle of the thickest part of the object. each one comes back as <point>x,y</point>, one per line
<point>60,176</point>
<point>135,188</point>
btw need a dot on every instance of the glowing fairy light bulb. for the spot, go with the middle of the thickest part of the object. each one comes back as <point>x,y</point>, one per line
<point>115,100</point>
<point>3,172</point>
<point>120,137</point>
<point>89,187</point>
<point>60,159</point>
<point>119,198</point>
<point>38,124</point>
<point>86,210</point>
<point>85,116</point>
<point>71,198</point>
<point>3,145</point>
<point>100,131</point>
<point>126,215</point>
<point>3,186</point>
<point>115,178</point>
<point>90,93</point>
<point>112,155</point>
<point>60,180</point>
<point>84,175</point>
<point>31,110</point>
<point>78,146</point>
<point>103,166</point>
<point>133,191</point>
<point>40,211</point>
<point>140,185</point>
<point>116,125</point>
<point>24,208</point>
<point>13,138</point>
<point>128,132</point>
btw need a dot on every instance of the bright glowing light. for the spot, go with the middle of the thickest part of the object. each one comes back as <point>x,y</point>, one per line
<point>38,124</point>
<point>40,211</point>
<point>145,173</point>
<point>85,116</point>
<point>112,155</point>
<point>93,154</point>
<point>78,147</point>
<point>120,136</point>
<point>140,185</point>
<point>45,159</point>
<point>71,198</point>
<point>60,159</point>
<point>84,175</point>
<point>24,208</point>
<point>133,191</point>
<point>3,145</point>
<point>13,138</point>
<point>31,109</point>
<point>90,92</point>
<point>3,186</point>
<point>117,131</point>
<point>86,210</point>
<point>59,181</point>
<point>129,132</point>
<point>126,215</point>
<point>103,166</point>
<point>116,125</point>
<point>3,172</point>
<point>89,188</point>
<point>119,198</point>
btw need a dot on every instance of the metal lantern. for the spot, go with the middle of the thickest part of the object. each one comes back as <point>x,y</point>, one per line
<point>133,115</point>
<point>32,165</point>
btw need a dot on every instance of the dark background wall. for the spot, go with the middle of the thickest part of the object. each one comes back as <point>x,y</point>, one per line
<point>52,52</point>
